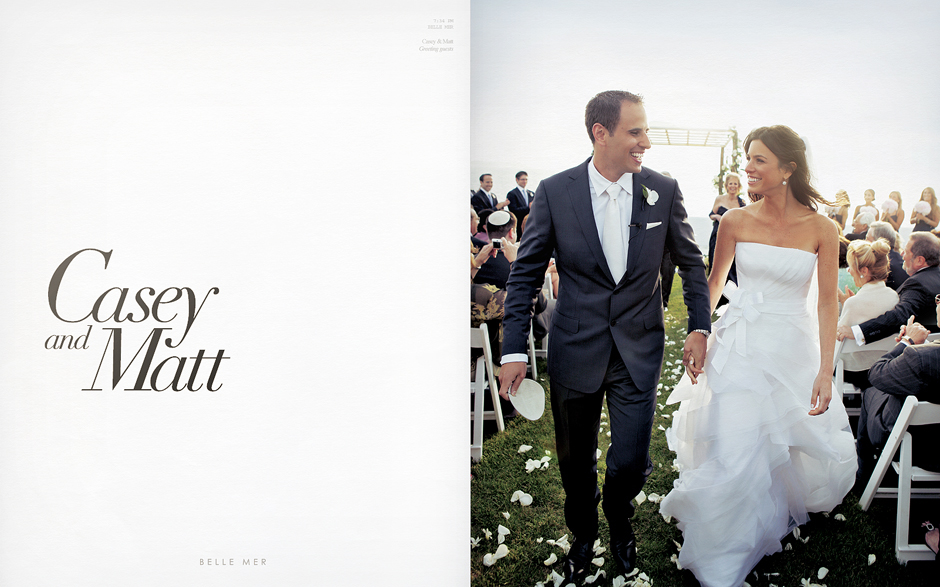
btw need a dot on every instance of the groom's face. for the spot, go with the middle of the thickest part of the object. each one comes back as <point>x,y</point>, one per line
<point>627,143</point>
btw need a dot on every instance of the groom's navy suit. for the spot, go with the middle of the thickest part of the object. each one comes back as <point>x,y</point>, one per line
<point>605,336</point>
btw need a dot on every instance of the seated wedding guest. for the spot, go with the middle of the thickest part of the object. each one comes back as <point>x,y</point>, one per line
<point>911,368</point>
<point>474,228</point>
<point>925,217</point>
<point>892,211</point>
<point>519,201</point>
<point>481,227</point>
<point>846,283</point>
<point>485,199</point>
<point>896,272</point>
<point>868,265</point>
<point>840,212</point>
<point>916,294</point>
<point>860,226</point>
<point>501,226</point>
<point>869,202</point>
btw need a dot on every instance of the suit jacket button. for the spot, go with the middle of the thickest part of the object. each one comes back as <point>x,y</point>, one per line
<point>613,323</point>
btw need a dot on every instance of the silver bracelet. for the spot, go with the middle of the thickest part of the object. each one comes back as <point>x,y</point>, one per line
<point>703,331</point>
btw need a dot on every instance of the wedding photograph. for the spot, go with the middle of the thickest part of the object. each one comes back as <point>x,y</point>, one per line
<point>703,336</point>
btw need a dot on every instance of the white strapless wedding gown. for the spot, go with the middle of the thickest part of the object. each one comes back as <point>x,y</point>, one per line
<point>752,460</point>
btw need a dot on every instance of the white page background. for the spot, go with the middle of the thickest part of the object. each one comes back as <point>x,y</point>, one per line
<point>302,160</point>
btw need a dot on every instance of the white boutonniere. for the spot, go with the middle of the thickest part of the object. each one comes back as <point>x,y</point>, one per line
<point>650,196</point>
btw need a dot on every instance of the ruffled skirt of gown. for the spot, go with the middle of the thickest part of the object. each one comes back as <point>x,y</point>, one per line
<point>752,461</point>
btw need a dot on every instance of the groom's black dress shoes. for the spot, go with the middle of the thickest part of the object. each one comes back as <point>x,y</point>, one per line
<point>623,549</point>
<point>578,560</point>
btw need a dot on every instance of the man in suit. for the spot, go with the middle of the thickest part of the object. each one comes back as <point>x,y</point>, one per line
<point>520,199</point>
<point>485,199</point>
<point>860,226</point>
<point>500,226</point>
<point>916,295</point>
<point>911,368</point>
<point>606,222</point>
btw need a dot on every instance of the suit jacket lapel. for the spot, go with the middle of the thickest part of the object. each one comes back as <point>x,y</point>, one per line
<point>641,212</point>
<point>579,190</point>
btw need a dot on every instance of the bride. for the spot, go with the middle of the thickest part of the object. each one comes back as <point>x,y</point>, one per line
<point>761,439</point>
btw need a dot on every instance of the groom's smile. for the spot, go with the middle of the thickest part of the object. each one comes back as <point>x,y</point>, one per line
<point>621,150</point>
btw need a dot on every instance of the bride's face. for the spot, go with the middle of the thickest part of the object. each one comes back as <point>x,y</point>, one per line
<point>763,169</point>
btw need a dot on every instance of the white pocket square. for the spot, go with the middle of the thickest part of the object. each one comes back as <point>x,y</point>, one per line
<point>652,225</point>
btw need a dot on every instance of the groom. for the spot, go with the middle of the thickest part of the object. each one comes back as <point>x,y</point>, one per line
<point>607,223</point>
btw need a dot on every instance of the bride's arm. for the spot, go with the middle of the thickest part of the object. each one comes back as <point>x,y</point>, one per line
<point>724,254</point>
<point>827,308</point>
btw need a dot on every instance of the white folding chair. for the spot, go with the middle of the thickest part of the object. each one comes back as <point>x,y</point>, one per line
<point>542,352</point>
<point>846,347</point>
<point>913,413</point>
<point>479,339</point>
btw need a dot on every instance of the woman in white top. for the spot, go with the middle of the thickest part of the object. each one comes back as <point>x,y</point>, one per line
<point>869,268</point>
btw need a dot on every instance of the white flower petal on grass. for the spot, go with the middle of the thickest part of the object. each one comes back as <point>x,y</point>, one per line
<point>595,577</point>
<point>502,531</point>
<point>608,433</point>
<point>524,448</point>
<point>544,465</point>
<point>618,581</point>
<point>506,515</point>
<point>654,497</point>
<point>546,459</point>
<point>522,497</point>
<point>474,542</point>
<point>796,533</point>
<point>631,573</point>
<point>804,540</point>
<point>556,578</point>
<point>603,416</point>
<point>788,546</point>
<point>640,498</point>
<point>661,427</point>
<point>539,539</point>
<point>804,582</point>
<point>678,546</point>
<point>599,561</point>
<point>665,517</point>
<point>675,560</point>
<point>840,517</point>
<point>489,559</point>
<point>552,559</point>
<point>746,584</point>
<point>548,452</point>
<point>487,533</point>
<point>597,454</point>
<point>871,560</point>
<point>821,574</point>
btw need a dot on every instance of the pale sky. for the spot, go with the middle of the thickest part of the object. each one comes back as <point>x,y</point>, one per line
<point>856,79</point>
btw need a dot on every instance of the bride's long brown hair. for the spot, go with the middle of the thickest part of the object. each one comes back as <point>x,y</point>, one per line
<point>788,148</point>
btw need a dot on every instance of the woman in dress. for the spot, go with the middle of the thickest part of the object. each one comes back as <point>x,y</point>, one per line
<point>724,202</point>
<point>926,222</point>
<point>897,217</point>
<point>869,201</point>
<point>840,211</point>
<point>761,439</point>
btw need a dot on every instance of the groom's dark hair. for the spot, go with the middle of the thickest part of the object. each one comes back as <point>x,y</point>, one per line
<point>604,108</point>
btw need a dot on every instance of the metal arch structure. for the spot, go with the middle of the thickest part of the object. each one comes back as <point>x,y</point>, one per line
<point>698,137</point>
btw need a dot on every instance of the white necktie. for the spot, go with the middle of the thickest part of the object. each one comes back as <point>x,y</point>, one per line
<point>613,235</point>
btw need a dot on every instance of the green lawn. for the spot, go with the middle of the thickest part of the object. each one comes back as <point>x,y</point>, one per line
<point>840,546</point>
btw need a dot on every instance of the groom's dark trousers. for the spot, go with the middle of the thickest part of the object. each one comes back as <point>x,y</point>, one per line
<point>606,337</point>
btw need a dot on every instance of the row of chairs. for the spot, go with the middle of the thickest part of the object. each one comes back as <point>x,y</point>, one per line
<point>913,413</point>
<point>485,374</point>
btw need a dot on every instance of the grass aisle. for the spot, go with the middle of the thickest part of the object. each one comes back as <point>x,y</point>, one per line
<point>840,546</point>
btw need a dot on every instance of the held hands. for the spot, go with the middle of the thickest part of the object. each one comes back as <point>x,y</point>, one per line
<point>510,249</point>
<point>484,254</point>
<point>822,394</point>
<point>844,332</point>
<point>510,376</point>
<point>693,354</point>
<point>913,330</point>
